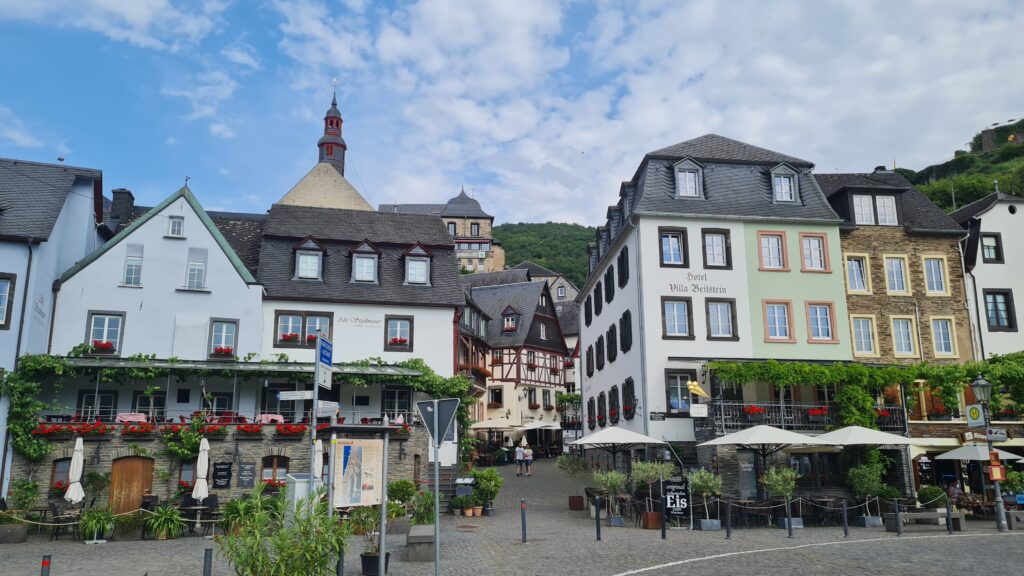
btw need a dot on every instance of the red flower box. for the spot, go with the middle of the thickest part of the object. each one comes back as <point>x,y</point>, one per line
<point>58,488</point>
<point>549,407</point>
<point>534,406</point>
<point>555,370</point>
<point>141,429</point>
<point>274,484</point>
<point>398,341</point>
<point>291,429</point>
<point>102,346</point>
<point>494,405</point>
<point>753,410</point>
<point>567,364</point>
<point>170,429</point>
<point>311,338</point>
<point>223,351</point>
<point>86,429</point>
<point>214,429</point>
<point>290,337</point>
<point>613,413</point>
<point>822,411</point>
<point>253,429</point>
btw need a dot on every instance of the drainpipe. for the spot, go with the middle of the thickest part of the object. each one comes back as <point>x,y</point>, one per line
<point>980,342</point>
<point>920,343</point>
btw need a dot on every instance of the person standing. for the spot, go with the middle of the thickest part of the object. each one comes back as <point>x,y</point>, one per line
<point>528,460</point>
<point>519,460</point>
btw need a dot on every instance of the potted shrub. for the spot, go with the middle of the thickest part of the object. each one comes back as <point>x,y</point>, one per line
<point>478,505</point>
<point>366,519</point>
<point>468,503</point>
<point>94,523</point>
<point>128,526</point>
<point>401,492</point>
<point>780,482</point>
<point>488,484</point>
<point>24,494</point>
<point>648,473</point>
<point>165,522</point>
<point>455,503</point>
<point>866,482</point>
<point>573,465</point>
<point>613,482</point>
<point>706,483</point>
<point>422,508</point>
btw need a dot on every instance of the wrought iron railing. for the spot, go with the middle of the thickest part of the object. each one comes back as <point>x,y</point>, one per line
<point>729,416</point>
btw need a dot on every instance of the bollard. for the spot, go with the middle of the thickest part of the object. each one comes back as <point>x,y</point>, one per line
<point>728,519</point>
<point>597,516</point>
<point>522,509</point>
<point>208,562</point>
<point>664,517</point>
<point>949,515</point>
<point>789,518</point>
<point>44,567</point>
<point>340,568</point>
<point>846,525</point>
<point>899,523</point>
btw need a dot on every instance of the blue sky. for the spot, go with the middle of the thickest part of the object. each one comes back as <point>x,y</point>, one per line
<point>538,108</point>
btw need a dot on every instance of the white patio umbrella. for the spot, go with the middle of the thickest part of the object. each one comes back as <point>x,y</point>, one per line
<point>976,452</point>
<point>765,440</point>
<point>201,490</point>
<point>860,436</point>
<point>75,493</point>
<point>534,425</point>
<point>494,424</point>
<point>318,463</point>
<point>615,438</point>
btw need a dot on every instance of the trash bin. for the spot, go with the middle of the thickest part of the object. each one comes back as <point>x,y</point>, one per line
<point>464,486</point>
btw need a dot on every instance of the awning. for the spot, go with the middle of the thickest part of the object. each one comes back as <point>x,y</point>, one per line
<point>285,367</point>
<point>860,436</point>
<point>977,452</point>
<point>494,424</point>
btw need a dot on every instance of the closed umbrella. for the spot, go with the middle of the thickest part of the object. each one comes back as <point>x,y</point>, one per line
<point>75,493</point>
<point>318,464</point>
<point>201,490</point>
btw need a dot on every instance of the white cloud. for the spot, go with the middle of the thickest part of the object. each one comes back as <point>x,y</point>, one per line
<point>204,92</point>
<point>321,41</point>
<point>13,131</point>
<point>242,54</point>
<point>221,130</point>
<point>160,24</point>
<point>223,171</point>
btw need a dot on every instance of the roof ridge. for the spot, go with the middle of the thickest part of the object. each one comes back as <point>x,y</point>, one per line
<point>51,165</point>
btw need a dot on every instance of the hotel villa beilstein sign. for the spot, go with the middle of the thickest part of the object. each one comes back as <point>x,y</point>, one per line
<point>697,283</point>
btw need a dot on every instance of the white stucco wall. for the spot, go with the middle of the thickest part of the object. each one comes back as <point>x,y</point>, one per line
<point>1009,275</point>
<point>160,318</point>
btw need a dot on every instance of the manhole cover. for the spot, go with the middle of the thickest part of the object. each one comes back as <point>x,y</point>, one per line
<point>466,527</point>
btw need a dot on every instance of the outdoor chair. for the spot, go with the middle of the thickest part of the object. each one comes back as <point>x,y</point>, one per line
<point>62,521</point>
<point>212,513</point>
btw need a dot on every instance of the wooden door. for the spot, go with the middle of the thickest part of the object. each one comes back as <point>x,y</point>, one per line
<point>130,478</point>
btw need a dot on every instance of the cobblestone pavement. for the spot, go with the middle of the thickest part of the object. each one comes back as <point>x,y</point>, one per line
<point>562,542</point>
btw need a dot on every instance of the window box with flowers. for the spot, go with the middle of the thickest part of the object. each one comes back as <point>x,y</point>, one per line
<point>291,431</point>
<point>601,420</point>
<point>568,363</point>
<point>58,489</point>
<point>289,338</point>
<point>214,431</point>
<point>141,431</point>
<point>403,433</point>
<point>102,347</point>
<point>1007,414</point>
<point>613,414</point>
<point>754,413</point>
<point>54,431</point>
<point>591,424</point>
<point>311,339</point>
<point>184,489</point>
<point>628,409</point>
<point>223,352</point>
<point>398,341</point>
<point>249,432</point>
<point>272,487</point>
<point>534,406</point>
<point>549,407</point>
<point>939,415</point>
<point>818,415</point>
<point>555,370</point>
<point>493,405</point>
<point>882,414</point>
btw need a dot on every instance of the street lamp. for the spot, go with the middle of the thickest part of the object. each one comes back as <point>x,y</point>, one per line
<point>983,393</point>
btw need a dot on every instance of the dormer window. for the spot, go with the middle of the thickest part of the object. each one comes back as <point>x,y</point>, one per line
<point>307,265</point>
<point>869,209</point>
<point>364,268</point>
<point>508,324</point>
<point>417,270</point>
<point>688,183</point>
<point>785,191</point>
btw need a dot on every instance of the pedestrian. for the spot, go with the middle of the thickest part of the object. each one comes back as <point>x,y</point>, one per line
<point>528,460</point>
<point>519,460</point>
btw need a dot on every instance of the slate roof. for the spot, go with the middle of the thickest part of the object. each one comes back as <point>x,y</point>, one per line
<point>568,317</point>
<point>512,276</point>
<point>493,300</point>
<point>919,213</point>
<point>32,195</point>
<point>342,230</point>
<point>461,206</point>
<point>720,148</point>
<point>978,206</point>
<point>424,209</point>
<point>535,269</point>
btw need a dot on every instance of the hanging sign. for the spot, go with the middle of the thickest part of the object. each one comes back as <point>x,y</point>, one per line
<point>657,416</point>
<point>975,417</point>
<point>324,352</point>
<point>246,475</point>
<point>997,473</point>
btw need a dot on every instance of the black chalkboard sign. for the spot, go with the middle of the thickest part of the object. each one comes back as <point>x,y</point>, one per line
<point>677,496</point>
<point>246,475</point>
<point>221,475</point>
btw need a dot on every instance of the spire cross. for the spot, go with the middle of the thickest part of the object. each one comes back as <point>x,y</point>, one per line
<point>186,181</point>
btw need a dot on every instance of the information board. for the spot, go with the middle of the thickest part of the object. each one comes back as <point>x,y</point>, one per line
<point>246,475</point>
<point>221,475</point>
<point>358,472</point>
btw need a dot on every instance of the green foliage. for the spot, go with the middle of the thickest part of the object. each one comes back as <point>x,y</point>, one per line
<point>563,398</point>
<point>1014,481</point>
<point>571,464</point>
<point>780,481</point>
<point>457,502</point>
<point>94,522</point>
<point>401,491</point>
<point>165,521</point>
<point>706,483</point>
<point>866,480</point>
<point>260,542</point>
<point>888,492</point>
<point>556,246</point>
<point>23,390</point>
<point>931,496</point>
<point>24,494</point>
<point>95,482</point>
<point>611,481</point>
<point>366,519</point>
<point>129,521</point>
<point>184,443</point>
<point>488,484</point>
<point>855,407</point>
<point>423,508</point>
<point>650,472</point>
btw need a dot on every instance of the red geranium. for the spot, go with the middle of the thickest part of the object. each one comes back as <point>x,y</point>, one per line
<point>291,429</point>
<point>223,350</point>
<point>881,413</point>
<point>102,345</point>
<point>250,428</point>
<point>398,341</point>
<point>822,411</point>
<point>289,337</point>
<point>274,483</point>
<point>753,410</point>
<point>311,338</point>
<point>137,429</point>
<point>213,429</point>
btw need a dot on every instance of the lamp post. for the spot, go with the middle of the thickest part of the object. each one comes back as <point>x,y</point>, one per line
<point>983,392</point>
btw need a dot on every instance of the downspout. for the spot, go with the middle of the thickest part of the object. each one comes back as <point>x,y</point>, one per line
<point>24,302</point>
<point>53,313</point>
<point>920,343</point>
<point>640,326</point>
<point>977,314</point>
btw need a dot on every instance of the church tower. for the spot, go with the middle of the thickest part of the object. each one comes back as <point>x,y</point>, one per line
<point>332,145</point>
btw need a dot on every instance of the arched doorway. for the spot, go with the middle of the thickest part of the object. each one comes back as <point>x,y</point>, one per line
<point>130,478</point>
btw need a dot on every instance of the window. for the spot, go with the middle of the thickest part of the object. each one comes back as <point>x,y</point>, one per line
<point>508,323</point>
<point>496,357</point>
<point>777,322</point>
<point>275,468</point>
<point>397,401</point>
<point>132,266</point>
<point>678,393</point>
<point>588,315</point>
<point>289,328</point>
<point>543,332</point>
<point>105,332</point>
<point>886,208</point>
<point>858,277</point>
<point>821,322</point>
<point>187,472</point>
<point>545,396</point>
<point>863,209</point>
<point>417,270</point>
<point>676,319</point>
<point>896,274</point>
<point>609,284</point>
<point>773,251</point>
<point>992,249</point>
<point>935,276</point>
<point>623,260</point>
<point>59,476</point>
<point>903,335</point>
<point>1000,312</point>
<point>6,300</point>
<point>495,396</point>
<point>721,314</point>
<point>673,247</point>
<point>599,351</point>
<point>474,229</point>
<point>451,228</point>
<point>814,249</point>
<point>688,183</point>
<point>222,402</point>
<point>531,359</point>
<point>864,336</point>
<point>365,268</point>
<point>598,299</point>
<point>943,338</point>
<point>717,251</point>
<point>561,292</point>
<point>591,415</point>
<point>195,279</point>
<point>102,406</point>
<point>626,330</point>
<point>398,335</point>
<point>317,324</point>
<point>543,301</point>
<point>590,361</point>
<point>223,334</point>
<point>176,226</point>
<point>613,342</point>
<point>155,403</point>
<point>784,189</point>
<point>307,265</point>
<point>298,328</point>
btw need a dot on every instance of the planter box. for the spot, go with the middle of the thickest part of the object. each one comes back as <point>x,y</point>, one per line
<point>13,533</point>
<point>420,543</point>
<point>940,417</point>
<point>868,521</point>
<point>817,419</point>
<point>289,437</point>
<point>96,438</point>
<point>755,418</point>
<point>248,436</point>
<point>398,525</point>
<point>651,520</point>
<point>577,503</point>
<point>121,534</point>
<point>370,564</point>
<point>143,438</point>
<point>708,525</point>
<point>781,522</point>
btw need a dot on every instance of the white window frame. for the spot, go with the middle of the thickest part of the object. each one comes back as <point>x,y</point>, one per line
<point>771,312</point>
<point>813,258</point>
<point>862,202</point>
<point>297,330</point>
<point>302,271</point>
<point>885,208</point>
<point>672,257</point>
<point>671,310</point>
<point>561,291</point>
<point>195,277</point>
<point>716,249</point>
<point>688,186</point>
<point>719,316</point>
<point>218,337</point>
<point>929,280</point>
<point>857,334</point>
<point>543,332</point>
<point>890,274</point>
<point>310,327</point>
<point>508,322</point>
<point>865,261</point>
<point>950,333</point>
<point>106,318</point>
<point>359,274</point>
<point>132,280</point>
<point>171,221</point>
<point>911,336</point>
<point>451,228</point>
<point>410,263</point>
<point>5,299</point>
<point>770,243</point>
<point>784,187</point>
<point>814,324</point>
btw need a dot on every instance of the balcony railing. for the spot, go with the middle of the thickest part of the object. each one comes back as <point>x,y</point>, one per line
<point>161,416</point>
<point>730,416</point>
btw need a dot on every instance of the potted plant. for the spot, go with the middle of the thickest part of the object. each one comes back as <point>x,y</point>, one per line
<point>468,504</point>
<point>401,492</point>
<point>165,522</point>
<point>291,430</point>
<point>648,473</point>
<point>488,484</point>
<point>613,482</point>
<point>573,465</point>
<point>780,482</point>
<point>754,413</point>
<point>366,519</point>
<point>706,483</point>
<point>817,415</point>
<point>939,415</point>
<point>24,494</point>
<point>422,508</point>
<point>478,505</point>
<point>128,526</point>
<point>456,504</point>
<point>866,482</point>
<point>94,523</point>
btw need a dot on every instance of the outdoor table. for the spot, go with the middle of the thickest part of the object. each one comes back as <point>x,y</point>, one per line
<point>744,510</point>
<point>190,520</point>
<point>269,419</point>
<point>826,510</point>
<point>130,417</point>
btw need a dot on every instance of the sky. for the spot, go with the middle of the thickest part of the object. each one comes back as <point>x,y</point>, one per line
<point>539,109</point>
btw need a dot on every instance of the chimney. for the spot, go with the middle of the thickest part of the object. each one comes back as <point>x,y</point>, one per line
<point>881,169</point>
<point>122,205</point>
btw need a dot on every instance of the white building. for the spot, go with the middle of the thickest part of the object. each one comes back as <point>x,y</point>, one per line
<point>994,268</point>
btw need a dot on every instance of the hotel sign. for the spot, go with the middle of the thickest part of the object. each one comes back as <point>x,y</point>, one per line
<point>697,283</point>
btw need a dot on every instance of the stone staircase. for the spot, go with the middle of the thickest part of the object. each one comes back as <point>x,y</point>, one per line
<point>447,477</point>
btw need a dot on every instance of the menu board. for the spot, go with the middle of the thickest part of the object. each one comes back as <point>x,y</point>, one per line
<point>246,475</point>
<point>677,498</point>
<point>358,473</point>
<point>222,475</point>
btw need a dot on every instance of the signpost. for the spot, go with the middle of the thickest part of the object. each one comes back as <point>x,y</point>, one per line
<point>322,379</point>
<point>677,498</point>
<point>438,416</point>
<point>325,409</point>
<point>996,434</point>
<point>285,395</point>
